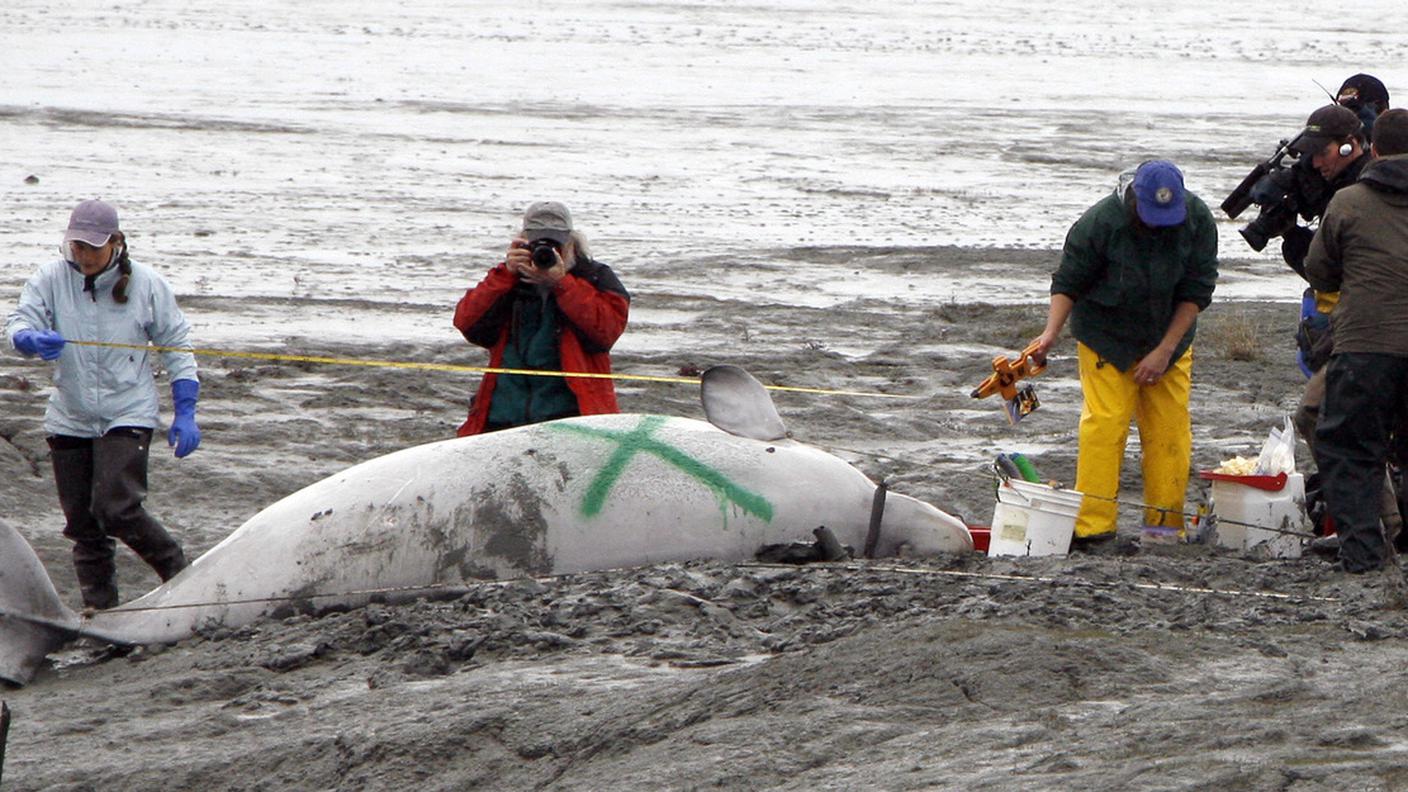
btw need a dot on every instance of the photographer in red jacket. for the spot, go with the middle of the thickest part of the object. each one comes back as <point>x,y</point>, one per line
<point>547,307</point>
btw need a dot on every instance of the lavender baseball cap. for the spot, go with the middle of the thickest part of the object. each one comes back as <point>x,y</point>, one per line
<point>93,222</point>
<point>1158,194</point>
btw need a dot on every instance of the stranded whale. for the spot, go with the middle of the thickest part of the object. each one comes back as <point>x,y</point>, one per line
<point>559,497</point>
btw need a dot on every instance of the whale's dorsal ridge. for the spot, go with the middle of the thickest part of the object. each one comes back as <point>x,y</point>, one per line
<point>736,402</point>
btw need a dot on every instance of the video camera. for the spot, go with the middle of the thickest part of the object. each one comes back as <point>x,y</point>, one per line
<point>1281,190</point>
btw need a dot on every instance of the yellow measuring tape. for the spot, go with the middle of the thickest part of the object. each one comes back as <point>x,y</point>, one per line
<point>402,364</point>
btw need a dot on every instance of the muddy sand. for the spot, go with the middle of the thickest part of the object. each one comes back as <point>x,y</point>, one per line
<point>1112,671</point>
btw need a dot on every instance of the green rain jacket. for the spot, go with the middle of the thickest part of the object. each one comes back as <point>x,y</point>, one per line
<point>1126,278</point>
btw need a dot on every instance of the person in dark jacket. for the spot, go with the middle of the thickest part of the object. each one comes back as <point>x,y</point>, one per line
<point>1361,251</point>
<point>549,306</point>
<point>1367,96</point>
<point>1137,269</point>
<point>1333,145</point>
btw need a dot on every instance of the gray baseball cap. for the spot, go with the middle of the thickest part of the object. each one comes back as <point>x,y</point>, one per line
<point>93,222</point>
<point>547,220</point>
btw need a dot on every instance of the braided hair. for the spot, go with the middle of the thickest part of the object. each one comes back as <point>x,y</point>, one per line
<point>124,274</point>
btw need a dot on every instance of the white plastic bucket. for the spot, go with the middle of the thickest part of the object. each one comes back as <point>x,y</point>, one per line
<point>1033,519</point>
<point>1245,513</point>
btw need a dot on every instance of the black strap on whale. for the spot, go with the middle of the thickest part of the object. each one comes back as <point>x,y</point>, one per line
<point>4,735</point>
<point>877,514</point>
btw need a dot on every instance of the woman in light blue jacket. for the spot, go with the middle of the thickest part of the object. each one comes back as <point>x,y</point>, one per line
<point>95,312</point>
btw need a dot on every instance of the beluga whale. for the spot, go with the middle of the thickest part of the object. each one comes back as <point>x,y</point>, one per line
<point>559,497</point>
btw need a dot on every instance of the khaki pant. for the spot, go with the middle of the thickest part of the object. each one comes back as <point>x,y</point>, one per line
<point>1112,398</point>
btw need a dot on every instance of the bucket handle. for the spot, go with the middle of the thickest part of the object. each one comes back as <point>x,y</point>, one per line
<point>1016,492</point>
<point>1031,501</point>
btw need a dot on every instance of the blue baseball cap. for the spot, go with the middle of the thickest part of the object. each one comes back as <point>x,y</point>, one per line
<point>1158,194</point>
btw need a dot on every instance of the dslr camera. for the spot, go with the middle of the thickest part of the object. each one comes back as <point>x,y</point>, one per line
<point>1281,190</point>
<point>544,253</point>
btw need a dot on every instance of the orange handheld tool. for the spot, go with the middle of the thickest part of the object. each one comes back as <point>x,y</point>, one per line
<point>1019,402</point>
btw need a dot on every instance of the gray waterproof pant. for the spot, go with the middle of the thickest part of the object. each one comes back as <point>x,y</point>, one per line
<point>1364,403</point>
<point>102,482</point>
<point>1306,418</point>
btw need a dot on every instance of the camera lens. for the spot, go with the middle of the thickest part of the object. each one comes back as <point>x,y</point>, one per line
<point>544,254</point>
<point>1255,237</point>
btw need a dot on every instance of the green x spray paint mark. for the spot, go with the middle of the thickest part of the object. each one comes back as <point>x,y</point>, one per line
<point>639,440</point>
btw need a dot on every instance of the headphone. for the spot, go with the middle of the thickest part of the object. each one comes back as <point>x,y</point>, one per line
<point>1346,149</point>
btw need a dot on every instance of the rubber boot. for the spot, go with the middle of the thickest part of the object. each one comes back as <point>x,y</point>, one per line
<point>97,575</point>
<point>93,551</point>
<point>1388,511</point>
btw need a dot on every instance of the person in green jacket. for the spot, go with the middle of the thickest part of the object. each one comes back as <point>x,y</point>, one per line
<point>1137,269</point>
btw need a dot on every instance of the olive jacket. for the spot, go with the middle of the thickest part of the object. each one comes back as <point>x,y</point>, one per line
<point>1126,278</point>
<point>1361,250</point>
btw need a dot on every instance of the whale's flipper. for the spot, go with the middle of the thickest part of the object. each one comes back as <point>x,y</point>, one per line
<point>737,403</point>
<point>33,621</point>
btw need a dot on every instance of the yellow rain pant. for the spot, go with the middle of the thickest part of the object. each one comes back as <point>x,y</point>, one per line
<point>1112,397</point>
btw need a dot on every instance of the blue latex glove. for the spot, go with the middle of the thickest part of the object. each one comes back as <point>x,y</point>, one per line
<point>184,434</point>
<point>44,343</point>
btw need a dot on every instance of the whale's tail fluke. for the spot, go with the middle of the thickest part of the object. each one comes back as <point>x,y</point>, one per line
<point>33,621</point>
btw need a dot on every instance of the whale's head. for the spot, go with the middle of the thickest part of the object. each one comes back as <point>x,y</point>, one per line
<point>925,529</point>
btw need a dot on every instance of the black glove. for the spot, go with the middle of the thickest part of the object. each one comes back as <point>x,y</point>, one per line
<point>1295,244</point>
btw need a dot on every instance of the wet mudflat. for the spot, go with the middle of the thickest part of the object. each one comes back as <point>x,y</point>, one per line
<point>863,197</point>
<point>1083,672</point>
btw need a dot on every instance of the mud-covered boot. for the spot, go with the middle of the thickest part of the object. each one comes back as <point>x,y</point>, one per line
<point>153,545</point>
<point>170,563</point>
<point>97,582</point>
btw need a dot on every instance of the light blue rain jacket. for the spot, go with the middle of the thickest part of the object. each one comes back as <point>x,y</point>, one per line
<point>98,388</point>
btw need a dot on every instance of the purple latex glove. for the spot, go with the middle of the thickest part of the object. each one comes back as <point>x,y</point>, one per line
<point>44,343</point>
<point>184,434</point>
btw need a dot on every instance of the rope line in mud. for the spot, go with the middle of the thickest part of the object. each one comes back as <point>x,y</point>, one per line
<point>456,588</point>
<point>848,567</point>
<point>466,587</point>
<point>457,367</point>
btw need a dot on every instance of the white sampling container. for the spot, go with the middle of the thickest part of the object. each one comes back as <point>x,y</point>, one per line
<point>1033,519</point>
<point>1254,518</point>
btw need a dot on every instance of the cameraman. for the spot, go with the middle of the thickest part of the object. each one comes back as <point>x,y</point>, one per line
<point>548,307</point>
<point>1332,151</point>
<point>1331,145</point>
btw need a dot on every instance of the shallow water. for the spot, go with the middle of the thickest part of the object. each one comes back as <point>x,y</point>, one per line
<point>322,151</point>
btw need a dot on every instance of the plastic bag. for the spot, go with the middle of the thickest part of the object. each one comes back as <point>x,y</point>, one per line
<point>1278,453</point>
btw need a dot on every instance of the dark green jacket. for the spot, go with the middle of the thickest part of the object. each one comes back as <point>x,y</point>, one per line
<point>521,399</point>
<point>1126,278</point>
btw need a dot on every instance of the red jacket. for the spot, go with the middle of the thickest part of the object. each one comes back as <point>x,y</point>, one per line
<point>593,307</point>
